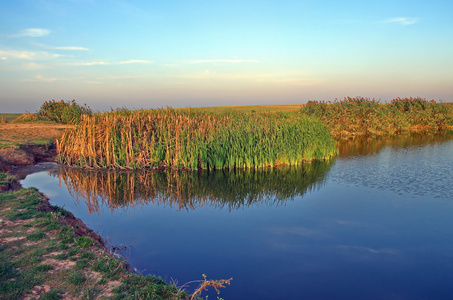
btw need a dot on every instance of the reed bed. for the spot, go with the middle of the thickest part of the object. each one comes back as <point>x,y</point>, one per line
<point>230,189</point>
<point>188,139</point>
<point>367,117</point>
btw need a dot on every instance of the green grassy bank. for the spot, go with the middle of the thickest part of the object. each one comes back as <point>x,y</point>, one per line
<point>46,253</point>
<point>190,139</point>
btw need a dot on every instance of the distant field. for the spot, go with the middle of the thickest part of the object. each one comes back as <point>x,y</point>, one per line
<point>253,108</point>
<point>243,108</point>
<point>9,117</point>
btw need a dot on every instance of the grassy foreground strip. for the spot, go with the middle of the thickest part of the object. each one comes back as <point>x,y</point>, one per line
<point>364,117</point>
<point>45,253</point>
<point>190,139</point>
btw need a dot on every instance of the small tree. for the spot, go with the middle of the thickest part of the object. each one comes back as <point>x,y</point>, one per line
<point>68,112</point>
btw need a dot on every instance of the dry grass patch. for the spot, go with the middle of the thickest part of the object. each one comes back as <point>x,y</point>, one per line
<point>14,134</point>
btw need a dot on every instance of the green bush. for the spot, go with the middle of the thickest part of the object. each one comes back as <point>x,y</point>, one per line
<point>68,112</point>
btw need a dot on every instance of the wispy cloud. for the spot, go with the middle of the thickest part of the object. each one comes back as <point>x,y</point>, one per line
<point>33,66</point>
<point>402,20</point>
<point>32,32</point>
<point>70,48</point>
<point>369,250</point>
<point>27,55</point>
<point>90,63</point>
<point>101,62</point>
<point>233,61</point>
<point>121,77</point>
<point>137,61</point>
<point>40,78</point>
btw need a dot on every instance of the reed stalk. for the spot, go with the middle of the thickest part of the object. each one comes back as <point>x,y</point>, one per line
<point>187,139</point>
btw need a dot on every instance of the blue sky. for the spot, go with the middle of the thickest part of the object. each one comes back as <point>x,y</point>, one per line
<point>151,54</point>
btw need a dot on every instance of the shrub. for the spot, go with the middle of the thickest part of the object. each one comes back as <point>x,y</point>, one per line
<point>26,118</point>
<point>68,112</point>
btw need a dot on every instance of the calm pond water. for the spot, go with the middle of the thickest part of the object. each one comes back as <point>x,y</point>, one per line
<point>376,223</point>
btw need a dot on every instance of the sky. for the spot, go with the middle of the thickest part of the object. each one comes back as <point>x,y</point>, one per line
<point>151,54</point>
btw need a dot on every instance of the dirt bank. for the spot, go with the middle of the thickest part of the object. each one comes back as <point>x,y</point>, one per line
<point>26,155</point>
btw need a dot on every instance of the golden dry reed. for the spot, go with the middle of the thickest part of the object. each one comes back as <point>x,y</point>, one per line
<point>188,139</point>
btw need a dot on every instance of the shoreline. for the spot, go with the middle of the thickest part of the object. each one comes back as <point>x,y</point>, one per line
<point>46,252</point>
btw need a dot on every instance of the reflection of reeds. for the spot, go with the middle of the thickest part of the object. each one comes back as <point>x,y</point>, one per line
<point>187,139</point>
<point>364,117</point>
<point>188,190</point>
<point>366,146</point>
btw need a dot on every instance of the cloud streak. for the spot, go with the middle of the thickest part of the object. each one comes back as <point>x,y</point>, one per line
<point>104,63</point>
<point>136,61</point>
<point>232,61</point>
<point>40,78</point>
<point>402,20</point>
<point>90,63</point>
<point>369,250</point>
<point>69,48</point>
<point>33,32</point>
<point>27,55</point>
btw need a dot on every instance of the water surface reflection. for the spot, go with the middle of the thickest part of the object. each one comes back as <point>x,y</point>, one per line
<point>232,189</point>
<point>373,224</point>
<point>372,146</point>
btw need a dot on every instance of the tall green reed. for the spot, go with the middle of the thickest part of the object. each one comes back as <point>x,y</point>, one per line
<point>188,139</point>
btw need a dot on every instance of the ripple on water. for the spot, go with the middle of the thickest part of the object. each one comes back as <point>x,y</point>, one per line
<point>417,170</point>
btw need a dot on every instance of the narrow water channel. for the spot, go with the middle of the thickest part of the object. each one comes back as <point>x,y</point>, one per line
<point>375,223</point>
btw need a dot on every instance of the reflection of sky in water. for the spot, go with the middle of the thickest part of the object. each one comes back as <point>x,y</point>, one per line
<point>373,230</point>
<point>418,171</point>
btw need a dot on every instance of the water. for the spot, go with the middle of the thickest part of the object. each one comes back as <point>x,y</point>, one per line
<point>374,224</point>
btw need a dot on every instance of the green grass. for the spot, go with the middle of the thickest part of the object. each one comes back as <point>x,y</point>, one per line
<point>145,287</point>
